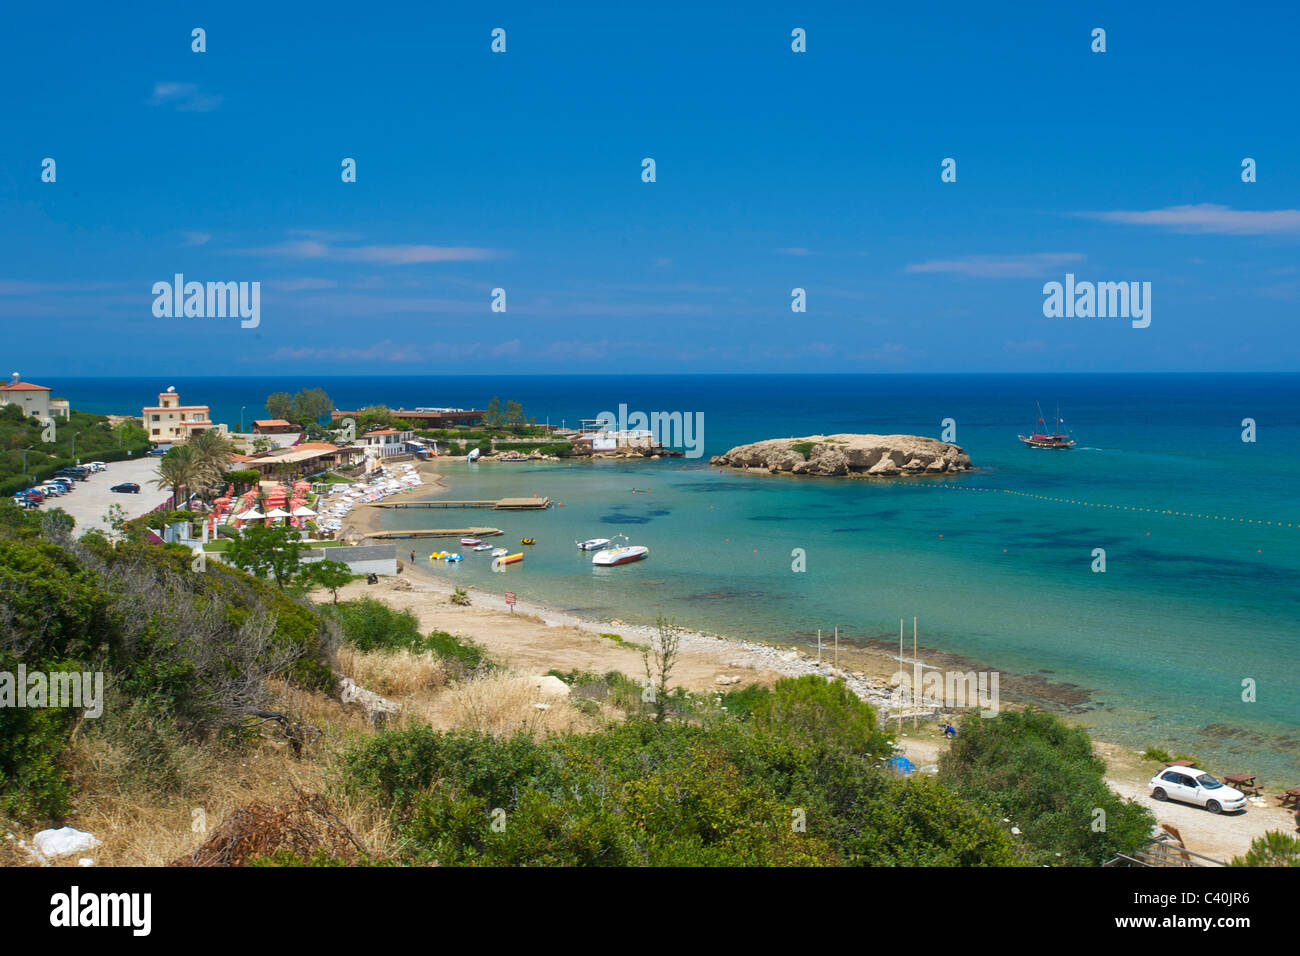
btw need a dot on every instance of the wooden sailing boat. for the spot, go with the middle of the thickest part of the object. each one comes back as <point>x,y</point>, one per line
<point>1061,439</point>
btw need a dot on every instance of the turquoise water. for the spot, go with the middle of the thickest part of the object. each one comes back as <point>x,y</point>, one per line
<point>1187,609</point>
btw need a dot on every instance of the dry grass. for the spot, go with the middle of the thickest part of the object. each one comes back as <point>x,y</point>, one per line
<point>502,703</point>
<point>143,828</point>
<point>398,673</point>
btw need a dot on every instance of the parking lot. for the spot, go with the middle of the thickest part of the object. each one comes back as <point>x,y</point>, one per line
<point>90,500</point>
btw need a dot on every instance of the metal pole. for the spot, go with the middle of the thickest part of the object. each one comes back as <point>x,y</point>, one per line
<point>837,646</point>
<point>900,674</point>
<point>916,667</point>
<point>819,645</point>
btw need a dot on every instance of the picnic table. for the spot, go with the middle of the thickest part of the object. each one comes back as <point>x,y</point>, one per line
<point>1181,763</point>
<point>1245,782</point>
<point>1291,798</point>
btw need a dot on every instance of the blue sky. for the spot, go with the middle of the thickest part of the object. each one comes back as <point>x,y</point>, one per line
<point>522,170</point>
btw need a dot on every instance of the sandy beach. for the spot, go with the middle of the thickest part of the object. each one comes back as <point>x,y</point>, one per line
<point>533,638</point>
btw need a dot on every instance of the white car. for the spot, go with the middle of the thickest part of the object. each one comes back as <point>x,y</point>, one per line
<point>1189,785</point>
<point>96,466</point>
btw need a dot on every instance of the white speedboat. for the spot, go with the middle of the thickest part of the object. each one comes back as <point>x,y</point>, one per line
<point>472,456</point>
<point>470,542</point>
<point>500,552</point>
<point>612,556</point>
<point>483,547</point>
<point>593,544</point>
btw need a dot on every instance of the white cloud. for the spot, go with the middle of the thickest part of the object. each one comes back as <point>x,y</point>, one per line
<point>184,97</point>
<point>1000,267</point>
<point>1208,218</point>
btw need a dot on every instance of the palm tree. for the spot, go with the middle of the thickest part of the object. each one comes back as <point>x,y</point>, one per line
<point>176,470</point>
<point>211,453</point>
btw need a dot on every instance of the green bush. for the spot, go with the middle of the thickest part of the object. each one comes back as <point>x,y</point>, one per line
<point>1042,774</point>
<point>368,625</point>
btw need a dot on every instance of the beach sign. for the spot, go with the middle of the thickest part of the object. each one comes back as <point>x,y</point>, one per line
<point>510,599</point>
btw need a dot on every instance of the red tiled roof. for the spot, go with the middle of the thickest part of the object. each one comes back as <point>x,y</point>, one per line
<point>23,387</point>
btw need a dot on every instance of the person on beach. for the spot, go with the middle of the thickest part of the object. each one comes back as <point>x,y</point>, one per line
<point>412,557</point>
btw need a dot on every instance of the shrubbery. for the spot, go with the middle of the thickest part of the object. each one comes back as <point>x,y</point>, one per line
<point>1042,774</point>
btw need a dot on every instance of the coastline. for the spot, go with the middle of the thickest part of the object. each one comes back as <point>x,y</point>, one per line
<point>535,637</point>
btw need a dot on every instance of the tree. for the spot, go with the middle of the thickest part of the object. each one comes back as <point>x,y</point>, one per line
<point>1274,848</point>
<point>276,550</point>
<point>210,453</point>
<point>330,575</point>
<point>659,659</point>
<point>177,470</point>
<point>280,405</point>
<point>311,405</point>
<point>262,443</point>
<point>514,412</point>
<point>492,417</point>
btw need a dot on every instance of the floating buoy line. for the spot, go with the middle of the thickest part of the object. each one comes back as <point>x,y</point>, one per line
<point>1134,508</point>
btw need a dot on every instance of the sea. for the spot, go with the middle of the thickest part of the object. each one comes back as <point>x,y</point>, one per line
<point>1185,637</point>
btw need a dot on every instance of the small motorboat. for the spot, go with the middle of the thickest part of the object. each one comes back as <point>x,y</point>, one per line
<point>615,556</point>
<point>527,540</point>
<point>438,555</point>
<point>593,544</point>
<point>470,542</point>
<point>484,547</point>
<point>454,557</point>
<point>472,456</point>
<point>512,458</point>
<point>500,552</point>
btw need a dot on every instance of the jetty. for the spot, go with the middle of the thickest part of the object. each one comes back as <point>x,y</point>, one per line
<point>434,533</point>
<point>499,504</point>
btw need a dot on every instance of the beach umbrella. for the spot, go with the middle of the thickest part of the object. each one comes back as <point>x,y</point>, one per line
<point>303,512</point>
<point>277,513</point>
<point>252,514</point>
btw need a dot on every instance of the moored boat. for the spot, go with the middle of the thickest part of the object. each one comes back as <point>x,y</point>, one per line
<point>615,556</point>
<point>484,547</point>
<point>470,542</point>
<point>500,552</point>
<point>593,544</point>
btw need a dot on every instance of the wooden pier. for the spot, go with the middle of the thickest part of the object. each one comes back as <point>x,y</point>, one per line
<point>499,504</point>
<point>434,533</point>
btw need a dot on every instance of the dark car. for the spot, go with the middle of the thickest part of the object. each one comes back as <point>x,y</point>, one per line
<point>126,488</point>
<point>79,474</point>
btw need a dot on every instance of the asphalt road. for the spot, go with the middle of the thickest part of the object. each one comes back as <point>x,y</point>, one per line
<point>90,499</point>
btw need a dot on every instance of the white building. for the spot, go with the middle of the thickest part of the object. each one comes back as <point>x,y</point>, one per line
<point>34,400</point>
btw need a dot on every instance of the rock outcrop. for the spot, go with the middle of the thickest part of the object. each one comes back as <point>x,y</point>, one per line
<point>854,456</point>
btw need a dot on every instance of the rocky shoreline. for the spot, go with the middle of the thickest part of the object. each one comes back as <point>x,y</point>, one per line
<point>853,456</point>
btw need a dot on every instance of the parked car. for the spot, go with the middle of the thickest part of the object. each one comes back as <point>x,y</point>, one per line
<point>1189,785</point>
<point>51,489</point>
<point>24,502</point>
<point>126,488</point>
<point>80,474</point>
<point>63,480</point>
<point>96,466</point>
<point>31,494</point>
